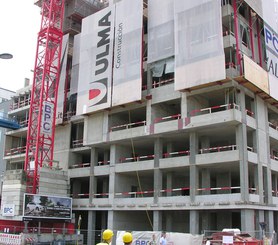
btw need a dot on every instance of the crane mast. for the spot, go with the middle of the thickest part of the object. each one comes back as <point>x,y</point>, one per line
<point>42,113</point>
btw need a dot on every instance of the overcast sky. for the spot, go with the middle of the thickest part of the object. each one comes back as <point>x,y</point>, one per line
<point>19,26</point>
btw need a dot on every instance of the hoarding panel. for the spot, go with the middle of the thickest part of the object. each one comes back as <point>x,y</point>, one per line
<point>95,69</point>
<point>47,207</point>
<point>199,52</point>
<point>255,74</point>
<point>127,78</point>
<point>161,42</point>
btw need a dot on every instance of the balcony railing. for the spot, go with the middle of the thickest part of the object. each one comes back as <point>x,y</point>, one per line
<point>14,151</point>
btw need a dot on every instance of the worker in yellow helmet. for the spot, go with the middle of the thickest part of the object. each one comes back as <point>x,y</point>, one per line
<point>127,238</point>
<point>107,236</point>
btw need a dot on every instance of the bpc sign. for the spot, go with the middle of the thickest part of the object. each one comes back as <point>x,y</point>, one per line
<point>47,118</point>
<point>8,209</point>
<point>271,40</point>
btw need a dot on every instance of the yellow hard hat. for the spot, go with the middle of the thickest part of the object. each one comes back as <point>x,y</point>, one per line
<point>127,237</point>
<point>107,234</point>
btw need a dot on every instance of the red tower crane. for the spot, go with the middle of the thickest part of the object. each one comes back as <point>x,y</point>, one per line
<point>42,113</point>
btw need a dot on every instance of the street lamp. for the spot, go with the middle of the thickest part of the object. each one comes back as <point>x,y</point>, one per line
<point>6,56</point>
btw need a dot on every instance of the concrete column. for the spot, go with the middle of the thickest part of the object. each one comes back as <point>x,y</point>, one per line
<point>247,220</point>
<point>149,78</point>
<point>112,185</point>
<point>241,141</point>
<point>91,227</point>
<point>193,169</point>
<point>267,185</point>
<point>157,184</point>
<point>205,181</point>
<point>158,151</point>
<point>274,184</point>
<point>157,220</point>
<point>184,111</point>
<point>194,222</point>
<point>169,180</point>
<point>158,148</point>
<point>105,128</point>
<point>263,151</point>
<point>114,155</point>
<point>149,113</point>
<point>92,181</point>
<point>270,222</point>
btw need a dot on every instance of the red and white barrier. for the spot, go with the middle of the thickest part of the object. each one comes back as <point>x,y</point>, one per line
<point>172,117</point>
<point>77,143</point>
<point>141,193</point>
<point>10,239</point>
<point>218,107</point>
<point>128,125</point>
<point>163,82</point>
<point>218,149</point>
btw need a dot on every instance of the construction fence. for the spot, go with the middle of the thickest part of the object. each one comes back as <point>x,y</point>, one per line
<point>34,236</point>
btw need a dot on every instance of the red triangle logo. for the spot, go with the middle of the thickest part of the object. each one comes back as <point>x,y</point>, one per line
<point>93,93</point>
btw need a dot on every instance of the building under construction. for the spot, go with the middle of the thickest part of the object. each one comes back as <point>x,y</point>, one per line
<point>167,117</point>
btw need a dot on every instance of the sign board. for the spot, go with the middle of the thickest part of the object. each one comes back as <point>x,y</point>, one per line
<point>8,209</point>
<point>46,207</point>
<point>47,117</point>
<point>228,240</point>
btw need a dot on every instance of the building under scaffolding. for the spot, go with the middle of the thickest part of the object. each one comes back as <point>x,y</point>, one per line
<point>167,116</point>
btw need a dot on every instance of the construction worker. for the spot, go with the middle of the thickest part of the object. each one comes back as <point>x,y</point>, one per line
<point>127,238</point>
<point>163,240</point>
<point>107,236</point>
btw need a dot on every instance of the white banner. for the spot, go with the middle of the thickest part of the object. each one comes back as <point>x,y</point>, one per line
<point>271,43</point>
<point>47,118</point>
<point>161,42</point>
<point>95,73</point>
<point>127,78</point>
<point>153,237</point>
<point>75,65</point>
<point>199,52</point>
<point>62,82</point>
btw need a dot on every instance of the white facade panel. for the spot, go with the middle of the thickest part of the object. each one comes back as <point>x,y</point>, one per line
<point>199,52</point>
<point>271,43</point>
<point>256,5</point>
<point>161,42</point>
<point>127,78</point>
<point>62,81</point>
<point>95,71</point>
<point>75,64</point>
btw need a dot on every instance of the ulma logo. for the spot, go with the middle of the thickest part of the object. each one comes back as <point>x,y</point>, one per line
<point>98,92</point>
<point>98,88</point>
